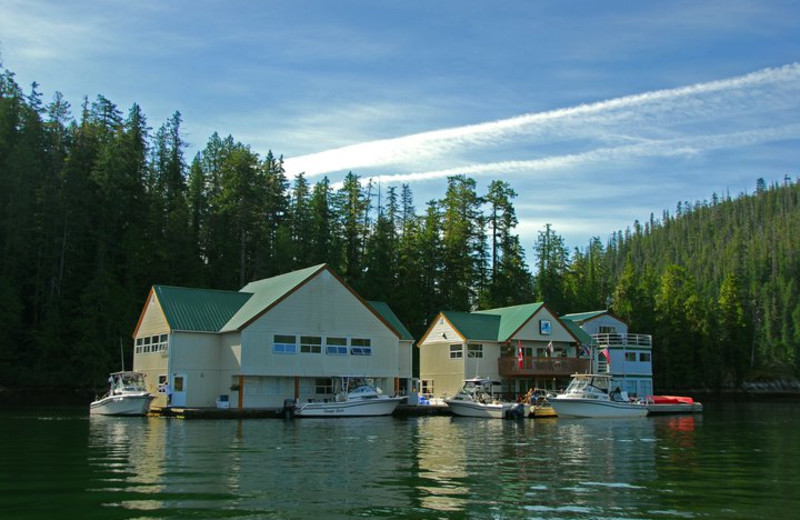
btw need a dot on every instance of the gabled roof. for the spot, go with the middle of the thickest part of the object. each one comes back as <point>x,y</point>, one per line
<point>584,316</point>
<point>492,324</point>
<point>266,293</point>
<point>577,331</point>
<point>383,309</point>
<point>512,318</point>
<point>472,326</point>
<point>201,310</point>
<point>206,310</point>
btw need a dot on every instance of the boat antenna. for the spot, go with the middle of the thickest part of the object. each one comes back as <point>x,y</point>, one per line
<point>121,354</point>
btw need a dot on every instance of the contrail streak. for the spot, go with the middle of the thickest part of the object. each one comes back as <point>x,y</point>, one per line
<point>669,107</point>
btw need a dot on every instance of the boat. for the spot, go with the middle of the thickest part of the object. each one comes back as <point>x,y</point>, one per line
<point>353,397</point>
<point>664,404</point>
<point>476,399</point>
<point>541,408</point>
<point>588,396</point>
<point>127,395</point>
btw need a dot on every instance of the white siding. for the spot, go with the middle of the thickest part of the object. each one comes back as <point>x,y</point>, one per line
<point>322,307</point>
<point>593,326</point>
<point>531,331</point>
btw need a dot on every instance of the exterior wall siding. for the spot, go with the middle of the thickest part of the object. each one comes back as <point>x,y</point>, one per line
<point>323,307</point>
<point>593,326</point>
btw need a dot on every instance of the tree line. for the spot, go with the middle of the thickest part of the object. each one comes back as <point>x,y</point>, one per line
<point>97,207</point>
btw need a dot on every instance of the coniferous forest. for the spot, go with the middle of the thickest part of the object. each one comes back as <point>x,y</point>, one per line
<point>97,206</point>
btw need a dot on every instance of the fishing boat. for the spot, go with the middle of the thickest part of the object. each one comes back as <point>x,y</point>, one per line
<point>127,395</point>
<point>476,399</point>
<point>588,396</point>
<point>353,397</point>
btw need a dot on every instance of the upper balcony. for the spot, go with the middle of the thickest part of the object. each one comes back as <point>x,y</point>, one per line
<point>616,339</point>
<point>540,366</point>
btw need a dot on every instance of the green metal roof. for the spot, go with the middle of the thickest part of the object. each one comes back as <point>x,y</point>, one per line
<point>583,316</point>
<point>512,318</point>
<point>501,324</point>
<point>577,331</point>
<point>266,293</point>
<point>473,326</point>
<point>202,310</point>
<point>226,311</point>
<point>391,318</point>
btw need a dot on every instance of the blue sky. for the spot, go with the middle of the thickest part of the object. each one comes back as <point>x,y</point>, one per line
<point>596,113</point>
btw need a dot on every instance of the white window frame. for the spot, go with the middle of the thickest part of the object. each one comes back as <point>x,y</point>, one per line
<point>457,352</point>
<point>360,347</point>
<point>336,346</point>
<point>310,344</point>
<point>281,345</point>
<point>475,350</point>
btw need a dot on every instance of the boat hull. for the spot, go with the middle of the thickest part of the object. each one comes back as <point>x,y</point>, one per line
<point>543,412</point>
<point>364,408</point>
<point>122,405</point>
<point>655,409</point>
<point>473,409</point>
<point>568,407</point>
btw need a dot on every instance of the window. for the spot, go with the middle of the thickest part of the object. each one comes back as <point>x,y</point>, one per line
<point>360,347</point>
<point>323,385</point>
<point>157,343</point>
<point>336,346</point>
<point>475,351</point>
<point>644,357</point>
<point>282,344</point>
<point>630,356</point>
<point>311,344</point>
<point>456,351</point>
<point>605,329</point>
<point>426,387</point>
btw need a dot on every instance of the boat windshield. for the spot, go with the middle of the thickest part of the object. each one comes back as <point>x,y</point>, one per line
<point>130,382</point>
<point>592,384</point>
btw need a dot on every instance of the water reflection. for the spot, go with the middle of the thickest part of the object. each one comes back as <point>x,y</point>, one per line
<point>729,464</point>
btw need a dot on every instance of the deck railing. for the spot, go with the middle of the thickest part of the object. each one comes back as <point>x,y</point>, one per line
<point>616,339</point>
<point>536,366</point>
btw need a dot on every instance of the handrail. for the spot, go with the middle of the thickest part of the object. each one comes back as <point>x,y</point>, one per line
<point>620,339</point>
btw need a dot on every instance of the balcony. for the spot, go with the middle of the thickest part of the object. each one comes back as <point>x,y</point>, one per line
<point>615,339</point>
<point>537,366</point>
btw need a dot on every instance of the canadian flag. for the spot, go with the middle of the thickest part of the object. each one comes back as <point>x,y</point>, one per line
<point>519,354</point>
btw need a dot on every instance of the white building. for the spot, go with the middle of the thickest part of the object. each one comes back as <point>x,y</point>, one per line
<point>279,338</point>
<point>523,347</point>
<point>630,358</point>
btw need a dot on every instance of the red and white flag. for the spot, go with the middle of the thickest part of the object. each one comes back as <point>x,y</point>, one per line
<point>604,352</point>
<point>519,354</point>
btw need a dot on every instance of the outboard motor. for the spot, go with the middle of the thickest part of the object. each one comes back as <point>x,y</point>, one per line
<point>288,408</point>
<point>515,412</point>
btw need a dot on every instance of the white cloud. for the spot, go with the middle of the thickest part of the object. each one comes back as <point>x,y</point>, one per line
<point>647,118</point>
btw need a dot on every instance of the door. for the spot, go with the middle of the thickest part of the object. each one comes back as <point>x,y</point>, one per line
<point>179,390</point>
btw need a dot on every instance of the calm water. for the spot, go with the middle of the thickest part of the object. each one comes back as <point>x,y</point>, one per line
<point>738,460</point>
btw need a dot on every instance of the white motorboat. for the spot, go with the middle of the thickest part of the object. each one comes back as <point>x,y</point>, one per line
<point>353,397</point>
<point>476,399</point>
<point>588,396</point>
<point>127,395</point>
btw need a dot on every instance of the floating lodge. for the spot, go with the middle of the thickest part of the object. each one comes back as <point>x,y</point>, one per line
<point>245,353</point>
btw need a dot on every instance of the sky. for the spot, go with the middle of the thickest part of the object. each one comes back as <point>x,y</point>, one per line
<point>596,113</point>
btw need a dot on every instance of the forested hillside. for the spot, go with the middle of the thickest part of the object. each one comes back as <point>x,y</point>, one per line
<point>96,207</point>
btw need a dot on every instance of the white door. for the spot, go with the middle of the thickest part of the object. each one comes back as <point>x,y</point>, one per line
<point>179,390</point>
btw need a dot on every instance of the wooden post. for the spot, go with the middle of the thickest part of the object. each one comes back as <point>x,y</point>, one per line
<point>296,388</point>
<point>241,391</point>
